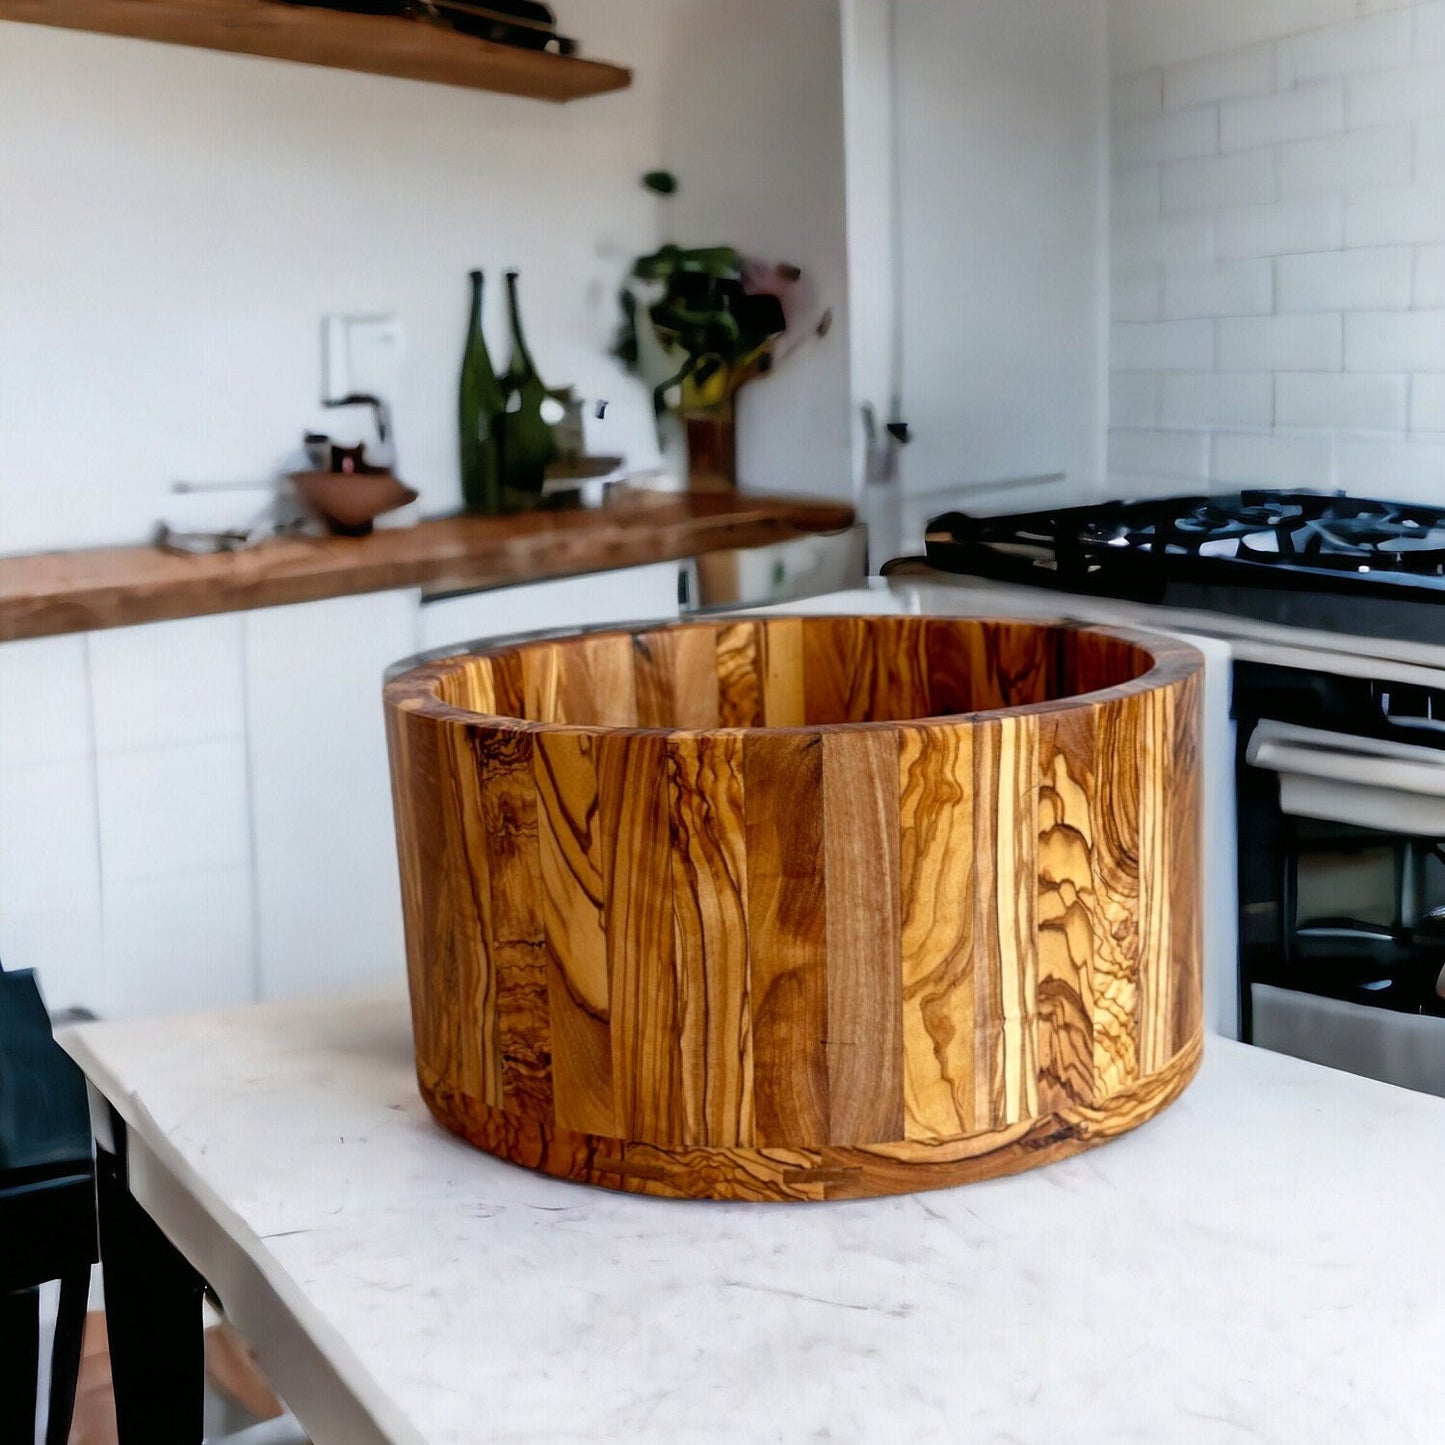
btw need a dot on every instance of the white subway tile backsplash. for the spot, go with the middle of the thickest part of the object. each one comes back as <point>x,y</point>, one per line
<point>1142,247</point>
<point>1241,178</point>
<point>1395,341</point>
<point>63,946</point>
<point>1404,216</point>
<point>173,810</point>
<point>1430,276</point>
<point>1355,161</point>
<point>1285,228</point>
<point>1280,343</point>
<point>1183,454</point>
<point>1429,33</point>
<point>1137,96</point>
<point>1395,95</point>
<point>1410,471</point>
<point>1166,137</point>
<point>1207,399</point>
<point>1241,288</point>
<point>48,848</point>
<point>1290,197</point>
<point>1362,280</point>
<point>1162,345</point>
<point>168,683</point>
<point>1220,77</point>
<point>1430,152</point>
<point>1140,300</point>
<point>44,708</point>
<point>181,943</point>
<point>1134,194</point>
<point>1334,400</point>
<point>1370,42</point>
<point>1246,459</point>
<point>1270,119</point>
<point>1134,398</point>
<point>1427,403</point>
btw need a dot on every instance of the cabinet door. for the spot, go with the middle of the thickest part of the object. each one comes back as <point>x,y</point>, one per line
<point>328,902</point>
<point>629,594</point>
<point>49,840</point>
<point>168,706</point>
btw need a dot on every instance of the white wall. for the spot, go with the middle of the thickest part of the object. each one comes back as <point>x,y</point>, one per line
<point>752,124</point>
<point>1279,247</point>
<point>1003,155</point>
<point>174,223</point>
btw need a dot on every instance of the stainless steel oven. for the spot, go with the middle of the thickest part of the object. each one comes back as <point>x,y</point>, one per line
<point>1341,812</point>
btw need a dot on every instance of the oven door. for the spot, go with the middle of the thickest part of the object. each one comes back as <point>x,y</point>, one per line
<point>1358,981</point>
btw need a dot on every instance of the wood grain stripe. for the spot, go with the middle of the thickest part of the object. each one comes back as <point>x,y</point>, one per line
<point>709,894</point>
<point>1067,906</point>
<point>675,678</point>
<point>1156,879</point>
<point>783,673</point>
<point>864,964</point>
<point>787,936</point>
<point>578,995</point>
<point>1185,959</point>
<point>1114,810</point>
<point>520,958</point>
<point>740,675</point>
<point>938,878</point>
<point>637,916</point>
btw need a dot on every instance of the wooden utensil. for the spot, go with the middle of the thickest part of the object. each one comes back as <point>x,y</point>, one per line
<point>794,908</point>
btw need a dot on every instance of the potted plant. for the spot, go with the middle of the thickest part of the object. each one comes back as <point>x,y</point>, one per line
<point>698,324</point>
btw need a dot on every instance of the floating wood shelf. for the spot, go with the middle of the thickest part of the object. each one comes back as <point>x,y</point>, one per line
<point>53,592</point>
<point>373,44</point>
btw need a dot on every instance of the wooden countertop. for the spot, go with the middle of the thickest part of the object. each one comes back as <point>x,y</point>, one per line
<point>47,593</point>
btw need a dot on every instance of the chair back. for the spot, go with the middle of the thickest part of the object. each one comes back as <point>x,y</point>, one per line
<point>44,1118</point>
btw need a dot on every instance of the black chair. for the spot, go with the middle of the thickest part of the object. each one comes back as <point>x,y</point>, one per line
<point>47,1209</point>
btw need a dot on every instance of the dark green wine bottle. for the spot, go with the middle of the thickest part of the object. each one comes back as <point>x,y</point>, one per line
<point>481,404</point>
<point>527,441</point>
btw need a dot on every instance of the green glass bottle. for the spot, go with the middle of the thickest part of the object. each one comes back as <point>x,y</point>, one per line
<point>527,441</point>
<point>481,404</point>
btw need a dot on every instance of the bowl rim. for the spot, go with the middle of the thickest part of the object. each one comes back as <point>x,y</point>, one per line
<point>410,684</point>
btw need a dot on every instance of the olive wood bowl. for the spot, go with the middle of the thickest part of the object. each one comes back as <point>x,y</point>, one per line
<point>801,908</point>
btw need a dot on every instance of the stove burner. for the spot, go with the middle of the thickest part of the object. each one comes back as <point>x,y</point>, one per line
<point>1300,541</point>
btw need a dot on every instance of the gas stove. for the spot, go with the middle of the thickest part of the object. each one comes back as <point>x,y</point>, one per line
<point>1305,559</point>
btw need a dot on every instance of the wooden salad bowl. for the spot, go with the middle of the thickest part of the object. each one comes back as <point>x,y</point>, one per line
<point>801,908</point>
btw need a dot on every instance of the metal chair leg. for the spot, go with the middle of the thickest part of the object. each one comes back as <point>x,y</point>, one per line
<point>153,1315</point>
<point>19,1362</point>
<point>65,1354</point>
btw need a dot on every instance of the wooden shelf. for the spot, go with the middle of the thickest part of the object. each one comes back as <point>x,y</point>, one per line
<point>373,44</point>
<point>49,593</point>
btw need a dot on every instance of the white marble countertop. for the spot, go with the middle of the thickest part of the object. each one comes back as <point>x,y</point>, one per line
<point>1263,1260</point>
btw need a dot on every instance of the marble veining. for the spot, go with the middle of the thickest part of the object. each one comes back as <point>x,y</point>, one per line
<point>1261,1261</point>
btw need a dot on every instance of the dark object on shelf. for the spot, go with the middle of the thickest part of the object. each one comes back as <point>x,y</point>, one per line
<point>481,402</point>
<point>507,22</point>
<point>350,501</point>
<point>47,1208</point>
<point>527,444</point>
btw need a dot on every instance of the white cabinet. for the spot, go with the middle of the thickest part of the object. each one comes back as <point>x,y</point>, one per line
<point>629,594</point>
<point>49,843</point>
<point>328,909</point>
<point>198,813</point>
<point>177,906</point>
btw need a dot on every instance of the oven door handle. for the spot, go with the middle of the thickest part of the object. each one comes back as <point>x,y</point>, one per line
<point>1372,783</point>
<point>1344,758</point>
